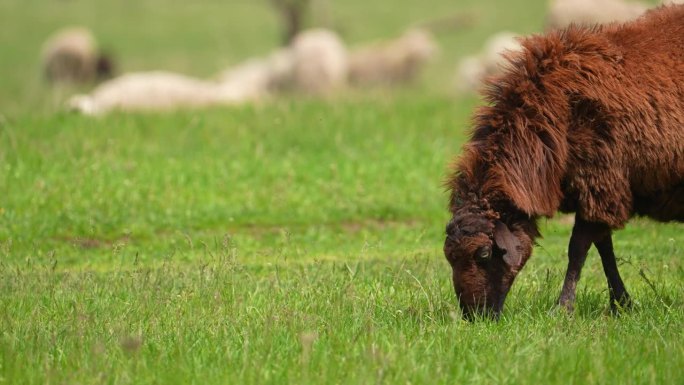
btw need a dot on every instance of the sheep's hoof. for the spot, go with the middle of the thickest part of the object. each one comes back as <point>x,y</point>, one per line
<point>621,304</point>
<point>568,304</point>
<point>563,309</point>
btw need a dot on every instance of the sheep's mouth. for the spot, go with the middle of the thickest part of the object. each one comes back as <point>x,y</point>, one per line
<point>490,309</point>
<point>474,313</point>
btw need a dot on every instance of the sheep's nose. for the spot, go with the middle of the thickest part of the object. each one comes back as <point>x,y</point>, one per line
<point>473,313</point>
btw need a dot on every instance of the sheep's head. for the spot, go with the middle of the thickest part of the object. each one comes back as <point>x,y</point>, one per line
<point>485,256</point>
<point>104,67</point>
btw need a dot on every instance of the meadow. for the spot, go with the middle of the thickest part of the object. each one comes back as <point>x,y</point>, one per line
<point>294,241</point>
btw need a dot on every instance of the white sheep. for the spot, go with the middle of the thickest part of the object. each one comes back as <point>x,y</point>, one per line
<point>315,64</point>
<point>473,70</point>
<point>261,77</point>
<point>562,13</point>
<point>320,62</point>
<point>71,55</point>
<point>158,91</point>
<point>392,62</point>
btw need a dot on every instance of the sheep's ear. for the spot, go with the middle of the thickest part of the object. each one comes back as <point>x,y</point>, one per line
<point>508,243</point>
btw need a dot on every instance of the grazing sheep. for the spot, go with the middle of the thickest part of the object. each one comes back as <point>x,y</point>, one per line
<point>393,62</point>
<point>71,56</point>
<point>315,64</point>
<point>586,120</point>
<point>158,91</point>
<point>320,62</point>
<point>562,13</point>
<point>474,70</point>
<point>262,76</point>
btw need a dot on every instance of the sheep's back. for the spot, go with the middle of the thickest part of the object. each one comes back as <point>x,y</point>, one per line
<point>626,130</point>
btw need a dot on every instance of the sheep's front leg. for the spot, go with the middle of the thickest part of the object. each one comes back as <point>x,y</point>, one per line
<point>619,298</point>
<point>582,237</point>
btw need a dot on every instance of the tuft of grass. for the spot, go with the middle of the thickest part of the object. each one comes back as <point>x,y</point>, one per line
<point>222,321</point>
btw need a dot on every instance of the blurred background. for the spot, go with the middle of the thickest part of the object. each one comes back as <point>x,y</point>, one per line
<point>203,37</point>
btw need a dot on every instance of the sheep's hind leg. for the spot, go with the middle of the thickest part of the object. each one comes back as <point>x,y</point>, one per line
<point>619,298</point>
<point>580,242</point>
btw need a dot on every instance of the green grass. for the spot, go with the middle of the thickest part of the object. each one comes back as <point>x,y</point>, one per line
<point>291,242</point>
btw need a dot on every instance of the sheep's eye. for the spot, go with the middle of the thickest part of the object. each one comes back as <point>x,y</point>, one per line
<point>483,254</point>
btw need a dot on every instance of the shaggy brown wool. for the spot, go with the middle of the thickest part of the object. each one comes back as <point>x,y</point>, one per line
<point>584,120</point>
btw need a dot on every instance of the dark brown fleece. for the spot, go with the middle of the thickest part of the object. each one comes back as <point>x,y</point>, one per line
<point>585,120</point>
<point>588,120</point>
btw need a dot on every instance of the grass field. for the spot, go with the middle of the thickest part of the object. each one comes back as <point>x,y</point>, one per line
<point>297,241</point>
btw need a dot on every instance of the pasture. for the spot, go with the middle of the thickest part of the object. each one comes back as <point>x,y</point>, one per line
<point>294,241</point>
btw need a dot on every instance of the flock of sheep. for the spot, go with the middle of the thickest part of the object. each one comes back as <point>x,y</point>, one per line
<point>317,63</point>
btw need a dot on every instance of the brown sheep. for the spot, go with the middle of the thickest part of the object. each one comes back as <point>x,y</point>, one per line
<point>585,120</point>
